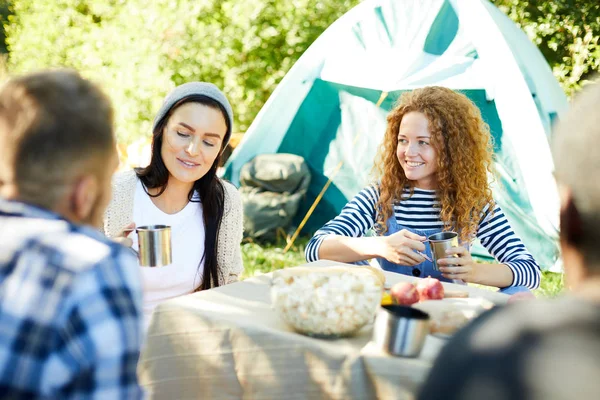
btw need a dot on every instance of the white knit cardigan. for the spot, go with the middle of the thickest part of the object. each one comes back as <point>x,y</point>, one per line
<point>229,256</point>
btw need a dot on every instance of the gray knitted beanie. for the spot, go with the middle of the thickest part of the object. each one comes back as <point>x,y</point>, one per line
<point>195,88</point>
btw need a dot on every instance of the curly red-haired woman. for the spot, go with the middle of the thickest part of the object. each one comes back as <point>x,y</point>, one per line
<point>433,171</point>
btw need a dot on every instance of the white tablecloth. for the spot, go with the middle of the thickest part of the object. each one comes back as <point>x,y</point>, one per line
<point>228,343</point>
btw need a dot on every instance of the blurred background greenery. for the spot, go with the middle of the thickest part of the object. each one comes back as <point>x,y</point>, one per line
<point>138,50</point>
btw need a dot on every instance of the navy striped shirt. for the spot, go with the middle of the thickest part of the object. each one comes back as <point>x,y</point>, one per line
<point>422,211</point>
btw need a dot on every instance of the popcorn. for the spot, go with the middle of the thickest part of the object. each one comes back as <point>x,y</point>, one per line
<point>326,301</point>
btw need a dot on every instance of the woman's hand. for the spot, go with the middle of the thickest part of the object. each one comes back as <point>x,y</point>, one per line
<point>458,265</point>
<point>123,238</point>
<point>399,248</point>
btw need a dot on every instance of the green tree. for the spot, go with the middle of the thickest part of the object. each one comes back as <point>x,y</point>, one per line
<point>5,11</point>
<point>566,31</point>
<point>108,41</point>
<point>247,46</point>
<point>139,50</point>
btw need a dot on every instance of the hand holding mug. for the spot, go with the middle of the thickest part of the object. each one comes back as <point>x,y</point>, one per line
<point>123,237</point>
<point>154,243</point>
<point>458,264</point>
<point>402,248</point>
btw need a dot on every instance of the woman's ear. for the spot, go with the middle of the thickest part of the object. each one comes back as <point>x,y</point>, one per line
<point>571,227</point>
<point>571,238</point>
<point>84,196</point>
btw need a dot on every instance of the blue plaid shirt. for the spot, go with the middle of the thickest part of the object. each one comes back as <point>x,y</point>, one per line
<point>70,309</point>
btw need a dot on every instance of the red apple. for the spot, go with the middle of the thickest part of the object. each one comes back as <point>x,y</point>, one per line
<point>405,293</point>
<point>430,289</point>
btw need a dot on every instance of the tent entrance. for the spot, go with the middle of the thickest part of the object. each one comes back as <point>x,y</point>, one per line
<point>340,123</point>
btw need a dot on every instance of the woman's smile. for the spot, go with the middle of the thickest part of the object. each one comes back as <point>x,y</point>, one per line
<point>188,164</point>
<point>414,164</point>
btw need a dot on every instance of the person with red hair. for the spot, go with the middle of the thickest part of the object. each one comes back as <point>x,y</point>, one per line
<point>433,172</point>
<point>543,349</point>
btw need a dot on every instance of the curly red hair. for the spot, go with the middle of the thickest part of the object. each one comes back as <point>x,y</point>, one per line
<point>464,151</point>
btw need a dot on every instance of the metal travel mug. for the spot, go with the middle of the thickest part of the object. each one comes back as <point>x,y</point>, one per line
<point>154,242</point>
<point>440,242</point>
<point>400,330</point>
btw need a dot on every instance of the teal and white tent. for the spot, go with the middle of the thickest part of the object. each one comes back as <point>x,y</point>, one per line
<point>325,109</point>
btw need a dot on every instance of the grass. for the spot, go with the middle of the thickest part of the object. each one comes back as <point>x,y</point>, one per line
<point>551,286</point>
<point>263,258</point>
<point>260,258</point>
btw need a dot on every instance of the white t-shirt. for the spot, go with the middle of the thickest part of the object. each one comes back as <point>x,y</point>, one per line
<point>187,244</point>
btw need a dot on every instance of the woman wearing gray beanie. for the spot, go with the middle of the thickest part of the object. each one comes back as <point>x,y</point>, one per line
<point>180,188</point>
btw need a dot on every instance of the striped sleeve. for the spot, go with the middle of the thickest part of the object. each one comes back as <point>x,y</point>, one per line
<point>356,218</point>
<point>497,236</point>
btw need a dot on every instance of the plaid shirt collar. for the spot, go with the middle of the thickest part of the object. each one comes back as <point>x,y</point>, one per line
<point>11,208</point>
<point>17,209</point>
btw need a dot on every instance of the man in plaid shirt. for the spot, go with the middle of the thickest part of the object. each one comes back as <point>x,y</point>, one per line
<point>70,299</point>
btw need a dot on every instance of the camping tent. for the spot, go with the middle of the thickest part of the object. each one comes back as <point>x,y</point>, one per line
<point>326,107</point>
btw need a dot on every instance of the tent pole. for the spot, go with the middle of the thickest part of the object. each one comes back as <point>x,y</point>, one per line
<point>322,193</point>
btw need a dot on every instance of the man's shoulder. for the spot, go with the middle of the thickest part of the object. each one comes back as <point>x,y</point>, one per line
<point>72,247</point>
<point>540,317</point>
<point>540,334</point>
<point>51,257</point>
<point>79,248</point>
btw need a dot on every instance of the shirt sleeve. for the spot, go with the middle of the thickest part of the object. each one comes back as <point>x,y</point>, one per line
<point>356,218</point>
<point>497,236</point>
<point>100,345</point>
<point>233,220</point>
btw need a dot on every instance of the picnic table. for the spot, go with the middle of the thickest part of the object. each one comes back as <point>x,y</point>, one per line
<point>229,343</point>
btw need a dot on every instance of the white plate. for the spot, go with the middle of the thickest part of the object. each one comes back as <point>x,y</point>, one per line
<point>449,315</point>
<point>467,304</point>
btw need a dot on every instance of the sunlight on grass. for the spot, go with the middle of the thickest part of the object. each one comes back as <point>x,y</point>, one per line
<point>266,257</point>
<point>552,285</point>
<point>263,258</point>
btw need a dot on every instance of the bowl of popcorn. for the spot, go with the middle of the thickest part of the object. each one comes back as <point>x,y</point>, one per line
<point>327,302</point>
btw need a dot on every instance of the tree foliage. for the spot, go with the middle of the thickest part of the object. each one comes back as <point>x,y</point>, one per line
<point>566,31</point>
<point>138,49</point>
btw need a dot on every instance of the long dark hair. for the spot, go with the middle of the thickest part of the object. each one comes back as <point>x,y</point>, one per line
<point>209,187</point>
